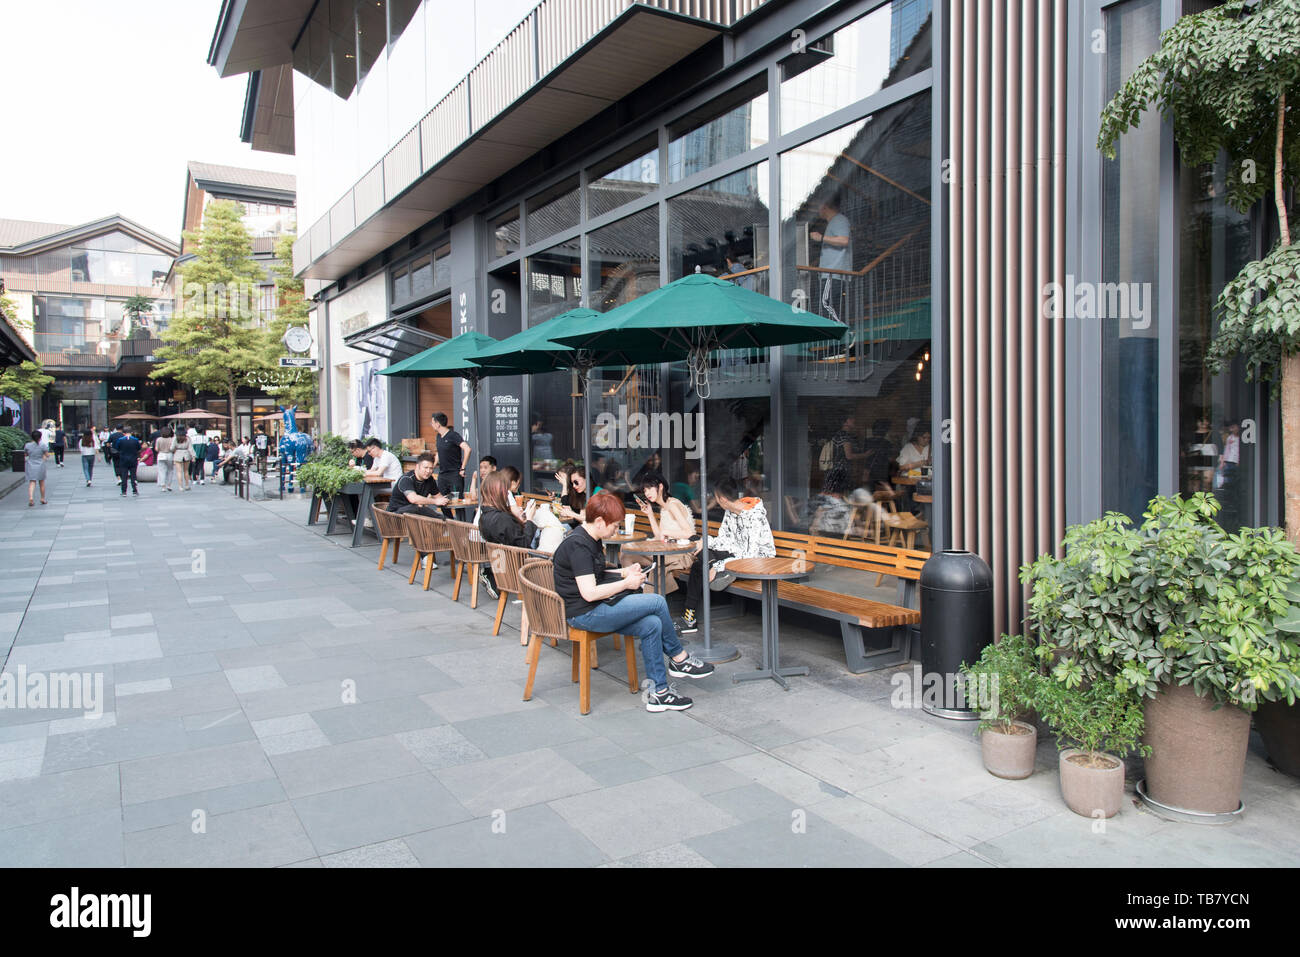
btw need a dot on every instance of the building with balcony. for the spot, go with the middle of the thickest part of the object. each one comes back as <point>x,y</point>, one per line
<point>72,283</point>
<point>489,166</point>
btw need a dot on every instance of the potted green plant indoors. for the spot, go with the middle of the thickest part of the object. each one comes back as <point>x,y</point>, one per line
<point>1104,718</point>
<point>1184,614</point>
<point>1003,683</point>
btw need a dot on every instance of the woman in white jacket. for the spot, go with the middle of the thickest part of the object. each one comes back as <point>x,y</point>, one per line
<point>744,533</point>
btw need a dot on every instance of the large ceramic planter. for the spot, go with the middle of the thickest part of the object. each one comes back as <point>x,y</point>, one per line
<point>1278,723</point>
<point>1092,786</point>
<point>1010,755</point>
<point>1198,753</point>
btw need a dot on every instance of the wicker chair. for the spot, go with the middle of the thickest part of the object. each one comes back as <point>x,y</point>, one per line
<point>546,620</point>
<point>428,537</point>
<point>506,560</point>
<point>391,528</point>
<point>470,551</point>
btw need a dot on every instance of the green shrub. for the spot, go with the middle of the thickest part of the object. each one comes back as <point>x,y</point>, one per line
<point>1103,715</point>
<point>1004,682</point>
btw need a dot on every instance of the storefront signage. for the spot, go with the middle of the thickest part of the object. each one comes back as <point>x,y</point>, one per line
<point>297,362</point>
<point>505,420</point>
<point>354,323</point>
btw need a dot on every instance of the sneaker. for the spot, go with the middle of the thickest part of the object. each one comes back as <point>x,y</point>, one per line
<point>689,667</point>
<point>134,491</point>
<point>687,624</point>
<point>669,700</point>
<point>724,579</point>
<point>486,581</point>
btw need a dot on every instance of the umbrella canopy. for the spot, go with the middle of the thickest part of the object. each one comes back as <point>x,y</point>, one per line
<point>196,414</point>
<point>535,349</point>
<point>135,415</point>
<point>448,360</point>
<point>699,312</point>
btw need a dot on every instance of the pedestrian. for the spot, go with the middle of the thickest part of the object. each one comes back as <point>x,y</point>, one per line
<point>163,446</point>
<point>110,451</point>
<point>89,448</point>
<point>199,445</point>
<point>182,456</point>
<point>47,433</point>
<point>262,444</point>
<point>210,456</point>
<point>60,446</point>
<point>34,466</point>
<point>127,447</point>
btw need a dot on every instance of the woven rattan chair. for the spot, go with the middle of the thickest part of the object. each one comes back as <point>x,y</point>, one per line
<point>471,552</point>
<point>546,619</point>
<point>428,537</point>
<point>391,528</point>
<point>506,560</point>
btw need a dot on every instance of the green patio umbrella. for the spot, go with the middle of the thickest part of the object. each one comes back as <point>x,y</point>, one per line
<point>448,360</point>
<point>688,319</point>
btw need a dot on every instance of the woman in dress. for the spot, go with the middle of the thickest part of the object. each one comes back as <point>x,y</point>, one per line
<point>674,522</point>
<point>163,447</point>
<point>182,456</point>
<point>34,466</point>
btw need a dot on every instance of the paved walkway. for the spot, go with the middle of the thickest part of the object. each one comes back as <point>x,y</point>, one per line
<point>269,698</point>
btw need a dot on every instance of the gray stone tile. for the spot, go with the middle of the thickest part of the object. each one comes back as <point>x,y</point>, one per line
<point>620,769</point>
<point>383,854</point>
<point>540,727</point>
<point>671,855</point>
<point>74,655</point>
<point>344,765</point>
<point>515,781</point>
<point>689,754</point>
<point>265,836</point>
<point>113,744</point>
<point>962,821</point>
<point>171,666</point>
<point>708,779</point>
<point>254,678</point>
<point>181,809</point>
<point>93,839</point>
<point>345,818</point>
<point>287,609</point>
<point>199,694</point>
<point>666,813</point>
<point>779,841</point>
<point>51,797</point>
<point>910,843</point>
<point>440,747</point>
<point>751,802</point>
<point>151,779</point>
<point>532,836</point>
<point>371,719</point>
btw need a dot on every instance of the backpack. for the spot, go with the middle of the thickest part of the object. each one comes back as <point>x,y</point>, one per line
<point>826,461</point>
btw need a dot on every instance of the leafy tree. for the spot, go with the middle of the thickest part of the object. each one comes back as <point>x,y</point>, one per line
<point>213,341</point>
<point>289,386</point>
<point>28,378</point>
<point>1223,79</point>
<point>136,307</point>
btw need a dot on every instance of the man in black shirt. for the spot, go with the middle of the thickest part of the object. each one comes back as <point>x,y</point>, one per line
<point>453,453</point>
<point>416,492</point>
<point>127,447</point>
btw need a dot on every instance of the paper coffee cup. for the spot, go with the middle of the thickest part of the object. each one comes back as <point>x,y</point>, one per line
<point>629,524</point>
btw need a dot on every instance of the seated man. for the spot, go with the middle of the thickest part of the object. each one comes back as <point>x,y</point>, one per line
<point>230,460</point>
<point>386,464</point>
<point>595,599</point>
<point>486,466</point>
<point>416,492</point>
<point>744,533</point>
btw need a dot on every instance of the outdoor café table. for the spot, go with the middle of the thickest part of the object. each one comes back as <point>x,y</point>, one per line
<point>615,542</point>
<point>460,505</point>
<point>769,571</point>
<point>659,551</point>
<point>368,488</point>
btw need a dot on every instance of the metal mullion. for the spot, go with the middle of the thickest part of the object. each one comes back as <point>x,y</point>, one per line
<point>1167,317</point>
<point>639,205</point>
<point>874,103</point>
<point>775,289</point>
<point>735,164</point>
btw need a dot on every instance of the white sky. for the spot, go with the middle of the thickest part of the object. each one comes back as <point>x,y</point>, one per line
<point>103,104</point>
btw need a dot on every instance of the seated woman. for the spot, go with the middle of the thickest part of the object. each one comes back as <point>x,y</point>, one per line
<point>501,522</point>
<point>596,599</point>
<point>573,494</point>
<point>673,522</point>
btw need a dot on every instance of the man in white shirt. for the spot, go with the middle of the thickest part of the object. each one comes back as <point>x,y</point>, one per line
<point>385,465</point>
<point>837,254</point>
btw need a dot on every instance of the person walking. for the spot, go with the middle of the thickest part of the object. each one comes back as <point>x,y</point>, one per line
<point>199,446</point>
<point>127,447</point>
<point>163,446</point>
<point>182,456</point>
<point>60,446</point>
<point>89,448</point>
<point>34,466</point>
<point>211,455</point>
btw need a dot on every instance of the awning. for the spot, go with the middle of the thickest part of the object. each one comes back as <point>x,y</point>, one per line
<point>392,339</point>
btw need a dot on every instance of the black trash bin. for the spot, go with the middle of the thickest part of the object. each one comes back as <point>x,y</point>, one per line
<point>18,460</point>
<point>956,625</point>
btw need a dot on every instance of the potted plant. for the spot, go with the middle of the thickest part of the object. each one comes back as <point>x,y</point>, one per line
<point>1184,614</point>
<point>1003,683</point>
<point>1278,721</point>
<point>1104,718</point>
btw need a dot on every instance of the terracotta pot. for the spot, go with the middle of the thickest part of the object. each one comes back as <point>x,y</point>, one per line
<point>1278,723</point>
<point>1198,754</point>
<point>1010,755</point>
<point>1096,792</point>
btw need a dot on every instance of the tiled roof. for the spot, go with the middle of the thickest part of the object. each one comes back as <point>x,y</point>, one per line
<point>235,176</point>
<point>14,232</point>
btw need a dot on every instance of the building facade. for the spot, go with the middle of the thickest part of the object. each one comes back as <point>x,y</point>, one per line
<point>923,170</point>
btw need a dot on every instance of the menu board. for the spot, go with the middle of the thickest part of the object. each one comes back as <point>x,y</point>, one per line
<point>507,426</point>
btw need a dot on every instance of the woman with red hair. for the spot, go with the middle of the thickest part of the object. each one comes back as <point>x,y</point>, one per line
<point>602,599</point>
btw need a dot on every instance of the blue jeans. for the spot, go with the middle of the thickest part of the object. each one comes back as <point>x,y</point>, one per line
<point>88,464</point>
<point>645,617</point>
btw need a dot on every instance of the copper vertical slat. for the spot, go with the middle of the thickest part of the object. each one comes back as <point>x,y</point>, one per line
<point>1058,251</point>
<point>1029,330</point>
<point>970,287</point>
<point>956,225</point>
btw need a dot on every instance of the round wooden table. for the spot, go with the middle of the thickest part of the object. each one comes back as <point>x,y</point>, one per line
<point>617,541</point>
<point>769,571</point>
<point>459,505</point>
<point>659,551</point>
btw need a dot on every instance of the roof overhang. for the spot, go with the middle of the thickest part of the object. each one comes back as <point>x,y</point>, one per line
<point>392,339</point>
<point>95,228</point>
<point>256,34</point>
<point>641,43</point>
<point>14,349</point>
<point>268,110</point>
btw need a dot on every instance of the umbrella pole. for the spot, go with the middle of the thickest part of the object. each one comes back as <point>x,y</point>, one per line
<point>710,652</point>
<point>586,428</point>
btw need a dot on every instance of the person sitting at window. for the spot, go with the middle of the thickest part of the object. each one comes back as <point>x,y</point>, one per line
<point>915,454</point>
<point>673,523</point>
<point>360,455</point>
<point>385,465</point>
<point>744,533</point>
<point>416,492</point>
<point>595,599</point>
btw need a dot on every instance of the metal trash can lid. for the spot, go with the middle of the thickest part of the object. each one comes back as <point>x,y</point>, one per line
<point>957,571</point>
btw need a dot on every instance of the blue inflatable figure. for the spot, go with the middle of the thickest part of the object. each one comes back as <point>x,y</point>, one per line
<point>295,446</point>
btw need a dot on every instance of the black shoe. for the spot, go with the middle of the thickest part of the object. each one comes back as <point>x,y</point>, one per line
<point>687,624</point>
<point>689,667</point>
<point>134,490</point>
<point>724,579</point>
<point>486,581</point>
<point>669,700</point>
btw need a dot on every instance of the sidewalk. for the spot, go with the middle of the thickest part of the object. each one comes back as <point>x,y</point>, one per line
<point>271,699</point>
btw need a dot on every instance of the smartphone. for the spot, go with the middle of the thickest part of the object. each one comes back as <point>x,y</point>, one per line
<point>640,503</point>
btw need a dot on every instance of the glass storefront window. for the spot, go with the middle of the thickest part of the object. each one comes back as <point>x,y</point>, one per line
<point>1129,401</point>
<point>721,228</point>
<point>887,45</point>
<point>554,285</point>
<point>623,259</point>
<point>629,174</point>
<point>726,126</point>
<point>553,210</point>
<point>855,236</point>
<point>505,234</point>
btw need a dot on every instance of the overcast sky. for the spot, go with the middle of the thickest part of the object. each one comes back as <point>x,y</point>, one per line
<point>103,103</point>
